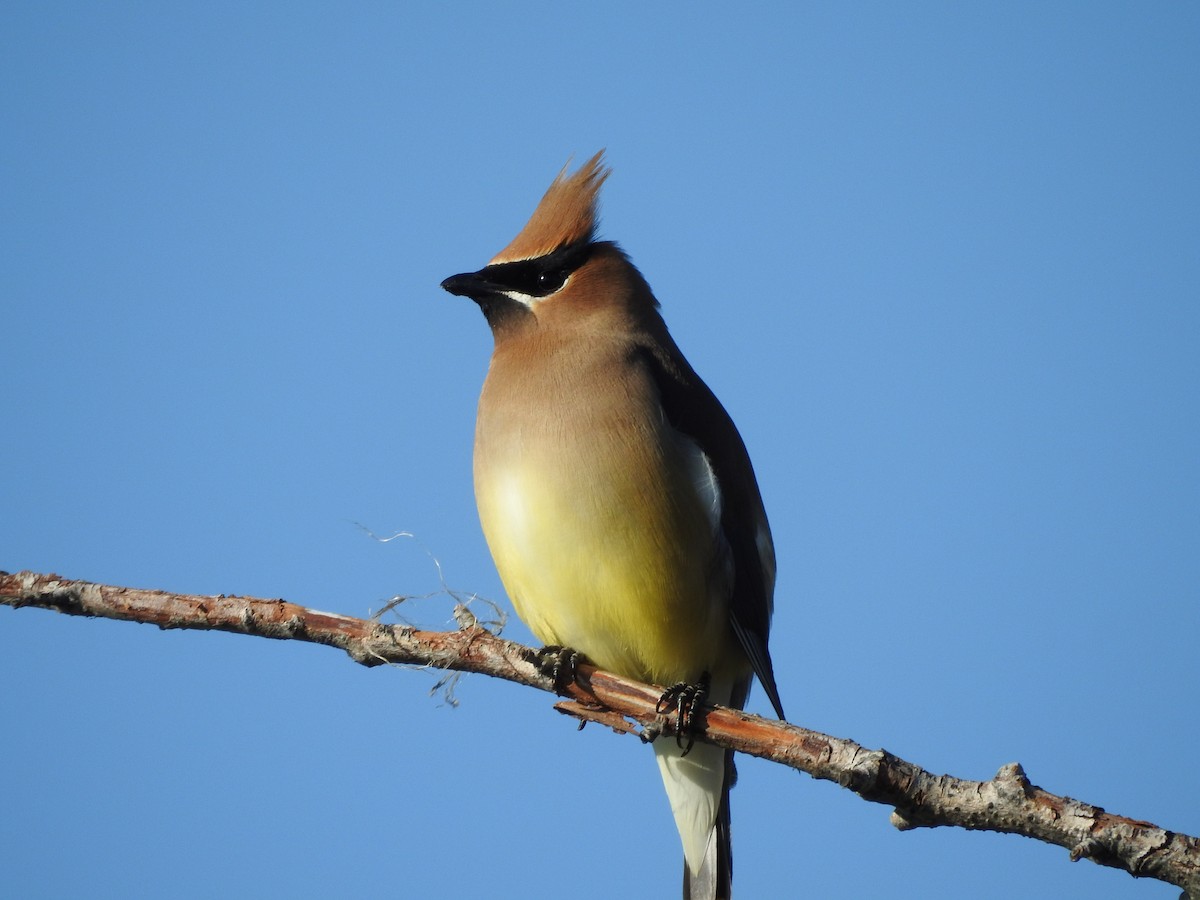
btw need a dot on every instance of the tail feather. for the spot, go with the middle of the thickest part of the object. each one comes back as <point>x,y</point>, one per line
<point>714,881</point>
<point>698,788</point>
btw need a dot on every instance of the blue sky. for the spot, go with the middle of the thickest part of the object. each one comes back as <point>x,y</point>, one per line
<point>938,260</point>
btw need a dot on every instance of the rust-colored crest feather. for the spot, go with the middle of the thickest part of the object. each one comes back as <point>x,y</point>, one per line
<point>566,215</point>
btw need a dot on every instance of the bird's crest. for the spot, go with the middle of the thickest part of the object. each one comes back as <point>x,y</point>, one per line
<point>566,215</point>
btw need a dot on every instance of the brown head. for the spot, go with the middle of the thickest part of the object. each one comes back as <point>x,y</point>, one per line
<point>555,272</point>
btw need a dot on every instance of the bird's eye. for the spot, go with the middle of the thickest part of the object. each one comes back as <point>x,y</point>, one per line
<point>551,281</point>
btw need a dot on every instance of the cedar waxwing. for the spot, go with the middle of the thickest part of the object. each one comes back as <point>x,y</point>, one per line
<point>616,495</point>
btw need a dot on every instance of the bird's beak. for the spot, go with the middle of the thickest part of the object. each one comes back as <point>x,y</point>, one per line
<point>469,284</point>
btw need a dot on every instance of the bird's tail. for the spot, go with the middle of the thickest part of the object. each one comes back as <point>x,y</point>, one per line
<point>698,787</point>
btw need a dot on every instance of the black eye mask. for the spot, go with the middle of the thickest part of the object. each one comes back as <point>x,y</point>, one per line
<point>538,277</point>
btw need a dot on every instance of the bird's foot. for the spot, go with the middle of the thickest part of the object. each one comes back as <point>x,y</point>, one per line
<point>559,664</point>
<point>686,702</point>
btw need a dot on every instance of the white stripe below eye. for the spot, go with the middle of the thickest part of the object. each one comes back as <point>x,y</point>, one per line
<point>523,299</point>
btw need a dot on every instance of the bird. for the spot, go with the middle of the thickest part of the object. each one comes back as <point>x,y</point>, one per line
<point>616,495</point>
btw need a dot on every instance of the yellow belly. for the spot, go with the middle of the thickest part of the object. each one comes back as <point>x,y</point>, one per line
<point>616,562</point>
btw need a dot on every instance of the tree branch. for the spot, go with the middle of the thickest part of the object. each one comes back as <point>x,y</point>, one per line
<point>1006,803</point>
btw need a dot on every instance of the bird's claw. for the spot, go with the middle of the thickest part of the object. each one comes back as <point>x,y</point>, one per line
<point>686,702</point>
<point>559,664</point>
